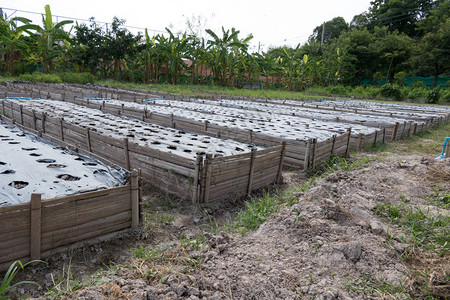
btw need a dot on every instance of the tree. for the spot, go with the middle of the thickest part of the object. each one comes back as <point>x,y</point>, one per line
<point>393,50</point>
<point>333,30</point>
<point>399,15</point>
<point>89,47</point>
<point>434,51</point>
<point>121,45</point>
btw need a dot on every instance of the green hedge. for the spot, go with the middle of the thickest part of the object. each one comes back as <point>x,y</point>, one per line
<point>69,77</point>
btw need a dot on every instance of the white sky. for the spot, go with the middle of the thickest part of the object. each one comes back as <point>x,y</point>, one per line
<point>272,23</point>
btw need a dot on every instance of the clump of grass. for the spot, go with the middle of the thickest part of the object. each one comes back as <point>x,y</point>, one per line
<point>256,212</point>
<point>153,263</point>
<point>14,268</point>
<point>425,230</point>
<point>377,287</point>
<point>440,198</point>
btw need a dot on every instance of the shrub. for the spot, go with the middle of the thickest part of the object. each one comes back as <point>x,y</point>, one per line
<point>416,93</point>
<point>434,95</point>
<point>400,77</point>
<point>445,97</point>
<point>391,91</point>
<point>339,90</point>
<point>378,77</point>
<point>40,77</point>
<point>81,78</point>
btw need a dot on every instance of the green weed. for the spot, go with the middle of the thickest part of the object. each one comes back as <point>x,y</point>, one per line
<point>13,269</point>
<point>425,230</point>
<point>377,287</point>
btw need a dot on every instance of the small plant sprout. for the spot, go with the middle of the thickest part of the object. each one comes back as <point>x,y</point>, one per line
<point>13,269</point>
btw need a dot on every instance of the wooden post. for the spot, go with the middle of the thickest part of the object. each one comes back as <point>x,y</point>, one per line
<point>88,139</point>
<point>409,128</point>
<point>198,170</point>
<point>347,150</point>
<point>171,120</point>
<point>34,119</point>
<point>35,228</point>
<point>126,153</point>
<point>375,139</point>
<point>403,131</point>
<point>252,168</point>
<point>61,128</point>
<point>332,145</point>
<point>394,132</point>
<point>313,154</point>
<point>134,199</point>
<point>250,135</point>
<point>43,122</point>
<point>205,127</point>
<point>307,154</point>
<point>207,177</point>
<point>280,167</point>
<point>360,141</point>
<point>21,113</point>
<point>414,128</point>
<point>384,134</point>
<point>447,150</point>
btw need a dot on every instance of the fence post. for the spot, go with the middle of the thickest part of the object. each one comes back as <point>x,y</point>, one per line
<point>360,138</point>
<point>61,129</point>
<point>280,167</point>
<point>198,164</point>
<point>307,154</point>
<point>447,150</point>
<point>35,230</point>
<point>394,132</point>
<point>134,199</point>
<point>252,168</point>
<point>414,128</point>
<point>332,145</point>
<point>88,139</point>
<point>34,119</point>
<point>250,135</point>
<point>205,127</point>
<point>21,114</point>
<point>43,122</point>
<point>126,153</point>
<point>313,154</point>
<point>208,176</point>
<point>347,150</point>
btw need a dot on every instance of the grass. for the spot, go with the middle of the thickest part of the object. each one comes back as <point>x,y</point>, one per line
<point>198,91</point>
<point>258,209</point>
<point>424,230</point>
<point>377,287</point>
<point>428,142</point>
<point>14,268</point>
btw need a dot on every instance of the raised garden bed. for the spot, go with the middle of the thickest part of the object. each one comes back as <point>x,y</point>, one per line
<point>189,165</point>
<point>53,199</point>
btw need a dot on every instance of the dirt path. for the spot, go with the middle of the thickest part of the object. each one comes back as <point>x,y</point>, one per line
<point>333,241</point>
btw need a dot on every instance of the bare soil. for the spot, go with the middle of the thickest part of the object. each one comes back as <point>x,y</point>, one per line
<point>328,244</point>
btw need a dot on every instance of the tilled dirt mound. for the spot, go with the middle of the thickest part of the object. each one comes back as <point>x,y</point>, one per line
<point>315,249</point>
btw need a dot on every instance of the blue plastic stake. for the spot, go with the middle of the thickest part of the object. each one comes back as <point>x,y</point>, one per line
<point>444,146</point>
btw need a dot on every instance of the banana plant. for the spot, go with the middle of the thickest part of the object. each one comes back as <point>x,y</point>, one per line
<point>48,36</point>
<point>221,47</point>
<point>12,39</point>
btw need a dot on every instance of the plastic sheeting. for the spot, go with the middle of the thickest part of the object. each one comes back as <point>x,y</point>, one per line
<point>29,164</point>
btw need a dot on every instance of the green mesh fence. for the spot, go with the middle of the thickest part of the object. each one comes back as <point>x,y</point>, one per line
<point>442,81</point>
